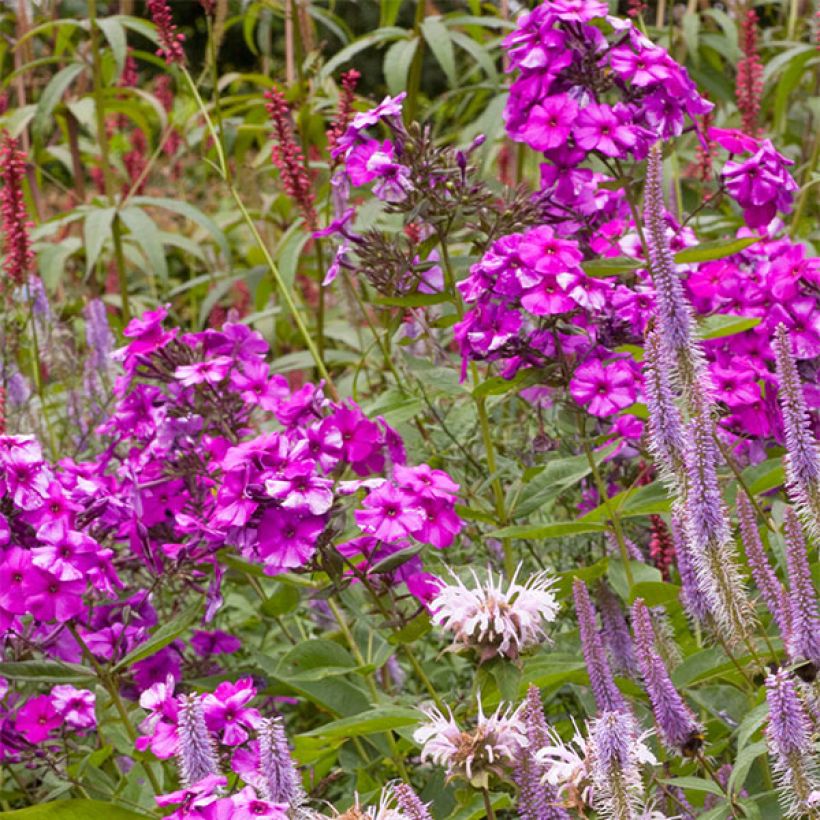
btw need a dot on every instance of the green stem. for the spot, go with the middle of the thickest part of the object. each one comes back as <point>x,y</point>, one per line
<point>274,270</point>
<point>102,139</point>
<point>110,686</point>
<point>488,806</point>
<point>414,78</point>
<point>807,186</point>
<point>612,513</point>
<point>371,684</point>
<point>38,376</point>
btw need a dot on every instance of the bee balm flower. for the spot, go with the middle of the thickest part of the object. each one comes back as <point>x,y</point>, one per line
<point>494,621</point>
<point>489,748</point>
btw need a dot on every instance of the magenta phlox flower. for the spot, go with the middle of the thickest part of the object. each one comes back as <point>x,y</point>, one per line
<point>604,388</point>
<point>147,335</point>
<point>387,513</point>
<point>360,168</point>
<point>211,371</point>
<point>298,487</point>
<point>287,539</point>
<point>549,123</point>
<point>37,719</point>
<point>217,642</point>
<point>75,706</point>
<point>226,711</point>
<point>599,128</point>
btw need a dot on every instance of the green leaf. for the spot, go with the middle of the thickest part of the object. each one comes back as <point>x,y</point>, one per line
<point>412,300</point>
<point>284,600</point>
<point>507,677</point>
<point>382,35</point>
<point>311,660</point>
<point>96,229</point>
<point>115,34</point>
<point>498,385</point>
<point>396,559</point>
<point>641,574</point>
<point>751,723</point>
<point>167,633</point>
<point>654,593</point>
<point>714,250</point>
<point>438,38</point>
<point>397,60</point>
<point>146,234</point>
<point>478,53</point>
<point>52,95</point>
<point>46,672</point>
<point>695,784</point>
<point>724,324</point>
<point>75,810</point>
<point>420,625</point>
<point>650,499</point>
<point>767,475</point>
<point>381,719</point>
<point>615,266</point>
<point>743,762</point>
<point>189,212</point>
<point>559,529</point>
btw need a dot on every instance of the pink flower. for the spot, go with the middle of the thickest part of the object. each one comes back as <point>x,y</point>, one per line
<point>226,712</point>
<point>387,514</point>
<point>75,706</point>
<point>598,128</point>
<point>211,372</point>
<point>37,719</point>
<point>299,488</point>
<point>548,125</point>
<point>604,389</point>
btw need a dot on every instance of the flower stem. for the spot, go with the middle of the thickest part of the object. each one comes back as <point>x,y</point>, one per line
<point>488,806</point>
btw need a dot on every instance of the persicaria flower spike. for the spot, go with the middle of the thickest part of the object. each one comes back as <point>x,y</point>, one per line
<point>16,225</point>
<point>170,39</point>
<point>676,722</point>
<point>802,453</point>
<point>749,80</point>
<point>607,695</point>
<point>493,620</point>
<point>288,158</point>
<point>789,738</point>
<point>344,111</point>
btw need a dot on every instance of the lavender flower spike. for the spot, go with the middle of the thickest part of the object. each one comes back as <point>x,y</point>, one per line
<point>665,424</point>
<point>617,754</point>
<point>767,582</point>
<point>615,631</point>
<point>708,535</point>
<point>410,803</point>
<point>694,601</point>
<point>803,456</point>
<point>675,319</point>
<point>677,725</point>
<point>803,638</point>
<point>607,695</point>
<point>789,738</point>
<point>196,753</point>
<point>280,780</point>
<point>537,799</point>
<point>98,335</point>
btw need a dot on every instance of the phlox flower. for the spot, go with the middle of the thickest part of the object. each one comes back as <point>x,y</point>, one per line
<point>37,719</point>
<point>604,388</point>
<point>386,513</point>
<point>495,621</point>
<point>225,711</point>
<point>75,706</point>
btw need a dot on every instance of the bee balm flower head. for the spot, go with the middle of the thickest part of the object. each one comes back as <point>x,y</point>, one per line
<point>495,621</point>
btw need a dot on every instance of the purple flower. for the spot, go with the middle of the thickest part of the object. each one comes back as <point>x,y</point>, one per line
<point>75,706</point>
<point>764,576</point>
<point>299,488</point>
<point>675,720</point>
<point>196,753</point>
<point>99,338</point>
<point>37,719</point>
<point>615,631</point>
<point>147,333</point>
<point>802,456</point>
<point>604,389</point>
<point>607,696</point>
<point>211,371</point>
<point>279,779</point>
<point>549,123</point>
<point>789,738</point>
<point>803,637</point>
<point>217,642</point>
<point>387,514</point>
<point>287,539</point>
<point>599,128</point>
<point>225,711</point>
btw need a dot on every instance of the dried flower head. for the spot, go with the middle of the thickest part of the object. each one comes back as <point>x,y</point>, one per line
<point>493,620</point>
<point>488,749</point>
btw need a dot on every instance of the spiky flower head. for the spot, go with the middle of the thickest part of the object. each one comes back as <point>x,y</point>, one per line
<point>665,425</point>
<point>802,454</point>
<point>279,779</point>
<point>692,597</point>
<point>537,798</point>
<point>617,752</point>
<point>615,631</point>
<point>16,224</point>
<point>196,753</point>
<point>677,725</point>
<point>170,39</point>
<point>493,620</point>
<point>771,590</point>
<point>788,737</point>
<point>676,322</point>
<point>488,749</point>
<point>803,637</point>
<point>708,535</point>
<point>409,802</point>
<point>607,696</point>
